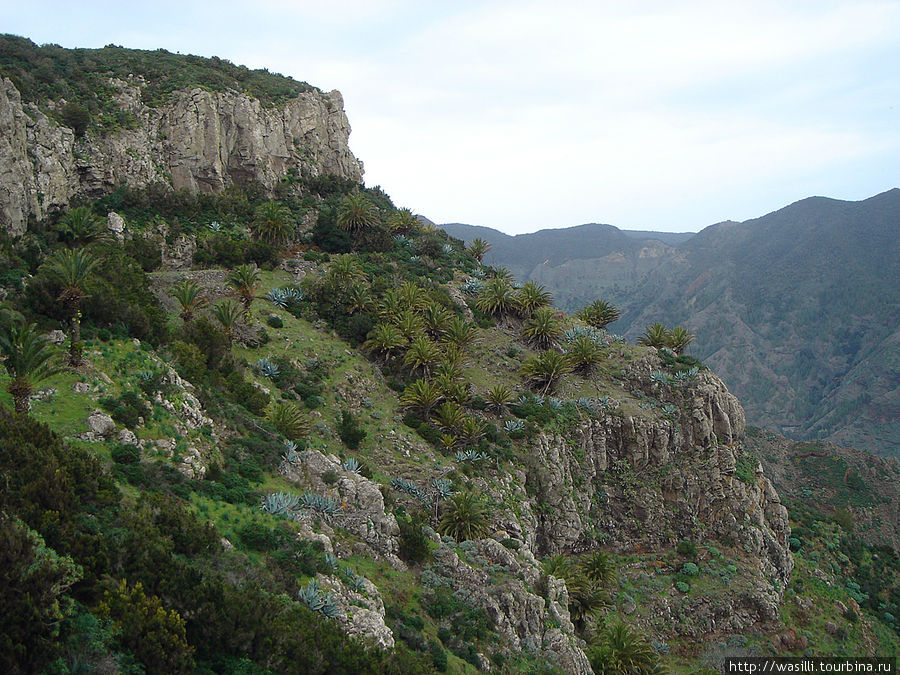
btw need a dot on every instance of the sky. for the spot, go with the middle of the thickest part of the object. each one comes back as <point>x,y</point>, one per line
<point>523,115</point>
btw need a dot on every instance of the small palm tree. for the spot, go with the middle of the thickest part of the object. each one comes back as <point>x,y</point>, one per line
<point>599,314</point>
<point>402,220</point>
<point>244,279</point>
<point>391,306</point>
<point>478,248</point>
<point>344,269</point>
<point>288,419</point>
<point>449,416</point>
<point>421,355</point>
<point>623,650</point>
<point>411,296</point>
<point>472,430</point>
<point>599,568</point>
<point>497,298</point>
<point>227,313</point>
<point>357,213</point>
<point>583,354</point>
<point>273,222</point>
<point>532,296</point>
<point>410,324</point>
<point>73,269</point>
<point>544,370</point>
<point>498,397</point>
<point>189,296</point>
<point>501,273</point>
<point>421,395</point>
<point>585,599</point>
<point>655,335</point>
<point>27,358</point>
<point>358,298</point>
<point>82,226</point>
<point>459,332</point>
<point>465,518</point>
<point>679,338</point>
<point>384,339</point>
<point>542,329</point>
<point>436,319</point>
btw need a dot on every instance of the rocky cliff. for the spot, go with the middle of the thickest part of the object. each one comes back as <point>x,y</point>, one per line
<point>200,141</point>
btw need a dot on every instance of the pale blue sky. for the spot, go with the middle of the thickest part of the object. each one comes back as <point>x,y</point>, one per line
<point>526,115</point>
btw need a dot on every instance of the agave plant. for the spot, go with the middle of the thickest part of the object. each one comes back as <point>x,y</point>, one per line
<point>267,368</point>
<point>324,506</point>
<point>351,464</point>
<point>446,249</point>
<point>410,488</point>
<point>670,410</point>
<point>443,488</point>
<point>659,377</point>
<point>470,456</point>
<point>512,426</point>
<point>401,240</point>
<point>324,603</point>
<point>290,452</point>
<point>214,226</point>
<point>280,504</point>
<point>472,287</point>
<point>278,297</point>
<point>585,402</point>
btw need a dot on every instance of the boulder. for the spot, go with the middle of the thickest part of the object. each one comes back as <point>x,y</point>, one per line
<point>101,424</point>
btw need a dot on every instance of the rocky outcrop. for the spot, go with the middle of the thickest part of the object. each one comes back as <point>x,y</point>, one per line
<point>200,141</point>
<point>645,482</point>
<point>485,574</point>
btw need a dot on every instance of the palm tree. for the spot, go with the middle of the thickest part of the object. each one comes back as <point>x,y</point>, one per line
<point>436,319</point>
<point>244,279</point>
<point>410,324</point>
<point>357,213</point>
<point>358,298</point>
<point>531,297</point>
<point>188,295</point>
<point>585,598</point>
<point>82,226</point>
<point>402,220</point>
<point>421,395</point>
<point>26,357</point>
<point>497,298</point>
<point>465,518</point>
<point>599,568</point>
<point>227,313</point>
<point>478,248</point>
<point>384,339</point>
<point>472,430</point>
<point>623,650</point>
<point>72,268</point>
<point>422,354</point>
<point>449,416</point>
<point>411,296</point>
<point>545,369</point>
<point>273,222</point>
<point>583,354</point>
<point>459,332</point>
<point>498,397</point>
<point>345,268</point>
<point>655,335</point>
<point>599,314</point>
<point>542,329</point>
<point>288,419</point>
<point>679,338</point>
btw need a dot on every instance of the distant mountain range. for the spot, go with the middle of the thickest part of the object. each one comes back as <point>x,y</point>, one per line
<point>799,310</point>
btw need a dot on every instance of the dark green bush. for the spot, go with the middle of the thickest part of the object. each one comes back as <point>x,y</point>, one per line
<point>125,454</point>
<point>126,408</point>
<point>350,431</point>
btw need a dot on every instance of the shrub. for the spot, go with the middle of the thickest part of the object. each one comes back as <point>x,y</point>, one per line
<point>126,454</point>
<point>274,321</point>
<point>413,542</point>
<point>687,548</point>
<point>127,408</point>
<point>690,569</point>
<point>350,431</point>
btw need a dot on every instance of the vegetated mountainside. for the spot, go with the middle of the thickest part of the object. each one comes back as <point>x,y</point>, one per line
<point>797,310</point>
<point>856,486</point>
<point>78,123</point>
<point>370,469</point>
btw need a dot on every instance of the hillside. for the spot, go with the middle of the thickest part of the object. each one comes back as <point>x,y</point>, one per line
<point>797,310</point>
<point>299,430</point>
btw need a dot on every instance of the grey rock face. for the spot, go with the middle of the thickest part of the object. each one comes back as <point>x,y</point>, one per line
<point>201,142</point>
<point>647,482</point>
<point>101,424</point>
